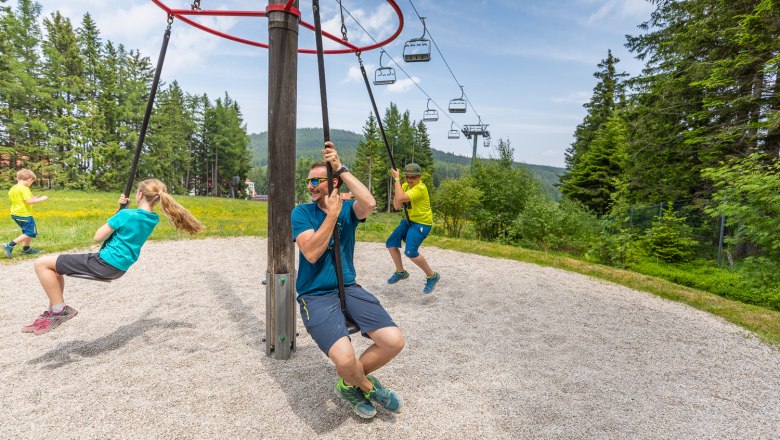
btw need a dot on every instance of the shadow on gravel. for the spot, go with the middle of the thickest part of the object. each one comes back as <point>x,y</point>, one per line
<point>74,351</point>
<point>308,379</point>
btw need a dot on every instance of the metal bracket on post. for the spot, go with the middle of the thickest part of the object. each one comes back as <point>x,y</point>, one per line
<point>280,315</point>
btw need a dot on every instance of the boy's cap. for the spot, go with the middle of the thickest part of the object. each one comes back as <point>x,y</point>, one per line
<point>412,169</point>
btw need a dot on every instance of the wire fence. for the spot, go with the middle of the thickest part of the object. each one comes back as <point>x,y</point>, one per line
<point>709,232</point>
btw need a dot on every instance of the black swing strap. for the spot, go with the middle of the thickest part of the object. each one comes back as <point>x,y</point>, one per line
<point>379,123</point>
<point>148,113</point>
<point>351,327</point>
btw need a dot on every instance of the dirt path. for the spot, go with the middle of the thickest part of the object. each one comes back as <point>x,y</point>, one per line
<point>501,349</point>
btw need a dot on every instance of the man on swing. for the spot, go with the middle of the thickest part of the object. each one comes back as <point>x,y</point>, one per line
<point>317,286</point>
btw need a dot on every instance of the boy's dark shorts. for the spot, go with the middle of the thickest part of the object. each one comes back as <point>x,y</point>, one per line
<point>86,264</point>
<point>322,317</point>
<point>27,224</point>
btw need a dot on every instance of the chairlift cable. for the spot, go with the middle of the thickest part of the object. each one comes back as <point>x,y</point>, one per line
<point>405,72</point>
<point>446,63</point>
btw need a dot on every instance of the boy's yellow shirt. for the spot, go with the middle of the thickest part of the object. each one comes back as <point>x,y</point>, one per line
<point>420,211</point>
<point>17,195</point>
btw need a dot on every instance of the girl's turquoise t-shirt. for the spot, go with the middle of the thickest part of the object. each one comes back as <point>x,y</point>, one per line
<point>131,229</point>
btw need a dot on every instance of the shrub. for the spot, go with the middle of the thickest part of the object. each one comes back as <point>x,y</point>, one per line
<point>546,225</point>
<point>669,239</point>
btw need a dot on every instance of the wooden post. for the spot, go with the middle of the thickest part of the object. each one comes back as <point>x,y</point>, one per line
<point>282,101</point>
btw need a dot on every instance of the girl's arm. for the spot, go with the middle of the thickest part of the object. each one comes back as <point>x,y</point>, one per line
<point>103,232</point>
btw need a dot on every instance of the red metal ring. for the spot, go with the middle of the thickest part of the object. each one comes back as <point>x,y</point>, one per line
<point>182,14</point>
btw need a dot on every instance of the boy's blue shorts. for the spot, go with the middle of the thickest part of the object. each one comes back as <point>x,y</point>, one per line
<point>322,317</point>
<point>413,235</point>
<point>27,224</point>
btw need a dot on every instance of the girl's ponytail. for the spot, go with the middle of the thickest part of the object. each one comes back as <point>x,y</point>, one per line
<point>155,191</point>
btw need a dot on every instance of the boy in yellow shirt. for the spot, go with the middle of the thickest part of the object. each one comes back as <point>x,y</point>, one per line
<point>414,195</point>
<point>22,200</point>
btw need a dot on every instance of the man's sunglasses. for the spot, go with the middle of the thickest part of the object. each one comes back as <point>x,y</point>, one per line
<point>314,181</point>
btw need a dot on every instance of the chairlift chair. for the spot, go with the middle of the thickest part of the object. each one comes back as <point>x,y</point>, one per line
<point>418,49</point>
<point>430,114</point>
<point>384,75</point>
<point>458,105</point>
<point>486,142</point>
<point>453,133</point>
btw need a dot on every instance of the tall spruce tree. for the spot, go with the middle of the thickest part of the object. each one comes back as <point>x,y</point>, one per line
<point>600,171</point>
<point>370,164</point>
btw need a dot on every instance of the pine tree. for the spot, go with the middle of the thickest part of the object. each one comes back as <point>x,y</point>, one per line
<point>601,169</point>
<point>23,94</point>
<point>370,164</point>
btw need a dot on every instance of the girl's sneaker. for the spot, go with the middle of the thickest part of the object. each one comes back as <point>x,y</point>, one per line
<point>54,320</point>
<point>31,327</point>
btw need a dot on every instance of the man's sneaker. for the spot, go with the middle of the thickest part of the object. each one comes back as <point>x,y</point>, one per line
<point>385,397</point>
<point>31,327</point>
<point>54,320</point>
<point>9,250</point>
<point>31,251</point>
<point>356,399</point>
<point>430,282</point>
<point>398,276</point>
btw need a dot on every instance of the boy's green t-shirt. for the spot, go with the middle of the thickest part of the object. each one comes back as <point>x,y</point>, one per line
<point>131,229</point>
<point>420,210</point>
<point>17,195</point>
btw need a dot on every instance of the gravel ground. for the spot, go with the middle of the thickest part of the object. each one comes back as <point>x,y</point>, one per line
<point>501,349</point>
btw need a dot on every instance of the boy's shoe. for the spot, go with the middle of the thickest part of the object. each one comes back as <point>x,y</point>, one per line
<point>398,276</point>
<point>354,395</point>
<point>9,250</point>
<point>54,320</point>
<point>31,327</point>
<point>387,398</point>
<point>430,282</point>
<point>31,251</point>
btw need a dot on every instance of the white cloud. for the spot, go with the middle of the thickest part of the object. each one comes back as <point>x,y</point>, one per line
<point>574,97</point>
<point>403,85</point>
<point>620,10</point>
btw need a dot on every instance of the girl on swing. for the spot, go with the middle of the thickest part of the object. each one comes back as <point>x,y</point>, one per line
<point>122,236</point>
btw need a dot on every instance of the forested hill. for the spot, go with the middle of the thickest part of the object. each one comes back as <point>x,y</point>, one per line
<point>309,144</point>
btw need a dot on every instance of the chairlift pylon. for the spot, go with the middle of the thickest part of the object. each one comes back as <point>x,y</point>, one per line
<point>453,133</point>
<point>384,75</point>
<point>418,49</point>
<point>430,114</point>
<point>458,105</point>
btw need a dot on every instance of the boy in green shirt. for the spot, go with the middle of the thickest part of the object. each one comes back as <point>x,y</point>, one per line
<point>22,200</point>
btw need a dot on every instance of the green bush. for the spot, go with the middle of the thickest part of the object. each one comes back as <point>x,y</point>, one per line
<point>613,248</point>
<point>546,225</point>
<point>455,201</point>
<point>669,239</point>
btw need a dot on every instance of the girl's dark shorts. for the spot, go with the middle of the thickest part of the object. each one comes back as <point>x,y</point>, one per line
<point>322,317</point>
<point>90,265</point>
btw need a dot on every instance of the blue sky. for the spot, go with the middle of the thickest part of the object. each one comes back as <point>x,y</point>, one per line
<point>526,65</point>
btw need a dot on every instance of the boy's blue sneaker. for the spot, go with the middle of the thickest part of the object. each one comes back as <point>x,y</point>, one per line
<point>398,276</point>
<point>31,251</point>
<point>354,395</point>
<point>9,250</point>
<point>387,398</point>
<point>430,282</point>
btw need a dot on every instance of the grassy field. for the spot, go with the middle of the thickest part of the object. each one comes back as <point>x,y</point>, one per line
<point>69,219</point>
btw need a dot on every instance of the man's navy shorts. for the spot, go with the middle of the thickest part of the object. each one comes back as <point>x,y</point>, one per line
<point>322,317</point>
